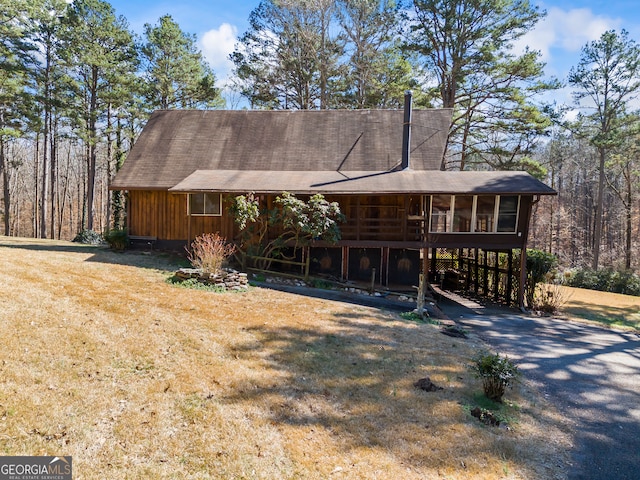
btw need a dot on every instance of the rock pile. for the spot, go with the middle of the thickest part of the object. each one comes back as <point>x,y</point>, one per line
<point>227,279</point>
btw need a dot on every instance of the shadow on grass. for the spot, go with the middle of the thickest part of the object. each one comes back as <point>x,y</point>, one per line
<point>157,260</point>
<point>612,316</point>
<point>355,382</point>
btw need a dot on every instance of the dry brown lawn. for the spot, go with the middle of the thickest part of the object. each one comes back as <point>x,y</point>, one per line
<point>136,378</point>
<point>608,309</point>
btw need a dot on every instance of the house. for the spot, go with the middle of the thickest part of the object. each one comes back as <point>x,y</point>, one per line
<point>381,166</point>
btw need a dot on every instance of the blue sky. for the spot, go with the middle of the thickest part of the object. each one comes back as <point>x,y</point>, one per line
<point>569,25</point>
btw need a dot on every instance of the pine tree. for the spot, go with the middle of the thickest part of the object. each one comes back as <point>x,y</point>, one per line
<point>607,78</point>
<point>176,74</point>
<point>99,51</point>
<point>466,45</point>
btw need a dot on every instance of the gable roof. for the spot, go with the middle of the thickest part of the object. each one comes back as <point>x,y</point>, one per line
<point>175,143</point>
<point>305,151</point>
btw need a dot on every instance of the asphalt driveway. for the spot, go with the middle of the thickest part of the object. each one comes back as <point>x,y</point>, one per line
<point>591,374</point>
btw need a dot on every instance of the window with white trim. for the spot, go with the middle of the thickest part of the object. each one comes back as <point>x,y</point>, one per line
<point>485,213</point>
<point>508,213</point>
<point>441,213</point>
<point>205,204</point>
<point>474,213</point>
<point>462,213</point>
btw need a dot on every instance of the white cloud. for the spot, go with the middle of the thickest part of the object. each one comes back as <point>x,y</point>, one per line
<point>216,45</point>
<point>562,34</point>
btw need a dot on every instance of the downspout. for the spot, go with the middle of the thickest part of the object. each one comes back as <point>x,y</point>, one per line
<point>406,131</point>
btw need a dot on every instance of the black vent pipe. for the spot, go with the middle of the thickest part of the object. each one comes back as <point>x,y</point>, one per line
<point>406,131</point>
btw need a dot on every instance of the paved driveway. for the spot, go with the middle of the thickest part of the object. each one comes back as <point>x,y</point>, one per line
<point>591,374</point>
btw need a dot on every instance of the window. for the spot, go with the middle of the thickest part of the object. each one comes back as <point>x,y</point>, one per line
<point>508,213</point>
<point>208,204</point>
<point>474,213</point>
<point>440,213</point>
<point>462,212</point>
<point>485,213</point>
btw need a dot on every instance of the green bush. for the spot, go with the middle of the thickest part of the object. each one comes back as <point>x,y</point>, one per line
<point>117,238</point>
<point>496,372</point>
<point>605,280</point>
<point>89,237</point>
<point>540,266</point>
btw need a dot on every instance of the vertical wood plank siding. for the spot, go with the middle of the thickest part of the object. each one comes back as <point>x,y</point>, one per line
<point>371,219</point>
<point>164,215</point>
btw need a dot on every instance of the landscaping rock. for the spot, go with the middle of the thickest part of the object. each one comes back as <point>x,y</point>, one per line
<point>427,385</point>
<point>228,279</point>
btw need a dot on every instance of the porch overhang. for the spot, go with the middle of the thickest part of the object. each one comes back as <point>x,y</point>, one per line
<point>363,182</point>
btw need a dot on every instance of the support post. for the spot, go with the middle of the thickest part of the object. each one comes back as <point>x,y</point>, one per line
<point>422,286</point>
<point>496,276</point>
<point>509,294</point>
<point>523,278</point>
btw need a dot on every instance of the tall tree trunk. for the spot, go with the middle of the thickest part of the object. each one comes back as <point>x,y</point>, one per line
<point>53,173</point>
<point>45,142</point>
<point>598,218</point>
<point>629,221</point>
<point>6,191</point>
<point>91,160</point>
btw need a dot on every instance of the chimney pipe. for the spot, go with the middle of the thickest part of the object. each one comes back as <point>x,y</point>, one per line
<point>406,131</point>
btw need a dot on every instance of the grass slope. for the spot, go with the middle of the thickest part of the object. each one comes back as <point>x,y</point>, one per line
<point>609,309</point>
<point>102,359</point>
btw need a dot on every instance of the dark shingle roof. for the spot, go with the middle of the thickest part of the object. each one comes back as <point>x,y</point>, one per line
<point>176,143</point>
<point>326,151</point>
<point>388,182</point>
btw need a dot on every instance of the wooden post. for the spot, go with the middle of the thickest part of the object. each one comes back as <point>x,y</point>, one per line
<point>523,277</point>
<point>422,285</point>
<point>476,283</point>
<point>373,280</point>
<point>509,293</point>
<point>307,262</point>
<point>496,277</point>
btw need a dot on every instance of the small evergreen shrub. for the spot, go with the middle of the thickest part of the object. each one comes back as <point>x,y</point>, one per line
<point>540,266</point>
<point>89,237</point>
<point>496,372</point>
<point>209,252</point>
<point>605,280</point>
<point>117,238</point>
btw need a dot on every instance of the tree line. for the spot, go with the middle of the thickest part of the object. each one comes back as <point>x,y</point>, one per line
<point>76,85</point>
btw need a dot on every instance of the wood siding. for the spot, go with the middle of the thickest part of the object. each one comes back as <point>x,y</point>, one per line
<point>164,215</point>
<point>395,221</point>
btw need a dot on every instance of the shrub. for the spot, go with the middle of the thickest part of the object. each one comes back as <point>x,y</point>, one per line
<point>549,298</point>
<point>604,279</point>
<point>540,264</point>
<point>89,237</point>
<point>117,238</point>
<point>209,252</point>
<point>496,372</point>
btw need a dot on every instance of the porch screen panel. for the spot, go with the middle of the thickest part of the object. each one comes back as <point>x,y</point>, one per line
<point>440,213</point>
<point>508,213</point>
<point>485,213</point>
<point>462,212</point>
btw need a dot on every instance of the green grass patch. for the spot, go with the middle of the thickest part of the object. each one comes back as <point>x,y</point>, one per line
<point>194,284</point>
<point>611,316</point>
<point>507,412</point>
<point>414,317</point>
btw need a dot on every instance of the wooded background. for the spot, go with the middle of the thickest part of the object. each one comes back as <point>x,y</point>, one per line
<point>76,86</point>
